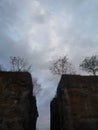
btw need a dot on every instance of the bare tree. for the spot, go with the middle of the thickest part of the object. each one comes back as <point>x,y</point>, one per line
<point>36,86</point>
<point>90,64</point>
<point>62,66</point>
<point>19,64</point>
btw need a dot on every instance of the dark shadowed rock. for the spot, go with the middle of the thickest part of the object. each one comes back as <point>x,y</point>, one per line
<point>18,110</point>
<point>76,104</point>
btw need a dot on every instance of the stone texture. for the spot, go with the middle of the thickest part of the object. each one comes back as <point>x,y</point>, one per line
<point>76,103</point>
<point>18,110</point>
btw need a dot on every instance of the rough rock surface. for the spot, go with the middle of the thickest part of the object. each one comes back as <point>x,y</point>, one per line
<point>18,110</point>
<point>75,106</point>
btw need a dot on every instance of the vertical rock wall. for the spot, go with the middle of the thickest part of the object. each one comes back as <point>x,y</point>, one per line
<point>18,110</point>
<point>60,114</point>
<point>75,106</point>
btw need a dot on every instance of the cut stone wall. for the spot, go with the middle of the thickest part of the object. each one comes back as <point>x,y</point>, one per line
<point>76,103</point>
<point>18,110</point>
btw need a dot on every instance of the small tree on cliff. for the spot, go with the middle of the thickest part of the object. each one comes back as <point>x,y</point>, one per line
<point>62,66</point>
<point>37,86</point>
<point>19,64</point>
<point>90,64</point>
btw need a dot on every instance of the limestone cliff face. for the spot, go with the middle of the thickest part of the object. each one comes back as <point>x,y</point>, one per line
<point>75,106</point>
<point>18,110</point>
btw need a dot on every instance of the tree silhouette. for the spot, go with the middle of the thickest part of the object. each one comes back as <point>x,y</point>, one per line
<point>19,64</point>
<point>61,66</point>
<point>90,64</point>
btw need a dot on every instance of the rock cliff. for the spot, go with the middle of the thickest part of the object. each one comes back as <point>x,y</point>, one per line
<point>75,106</point>
<point>18,110</point>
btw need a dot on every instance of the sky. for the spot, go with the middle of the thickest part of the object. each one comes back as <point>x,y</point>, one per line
<point>42,30</point>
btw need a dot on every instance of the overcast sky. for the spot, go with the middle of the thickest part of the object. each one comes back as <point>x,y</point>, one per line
<point>42,30</point>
